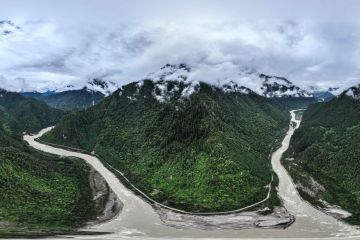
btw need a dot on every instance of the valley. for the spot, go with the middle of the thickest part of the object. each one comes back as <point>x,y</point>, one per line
<point>324,156</point>
<point>41,194</point>
<point>310,222</point>
<point>188,157</point>
<point>192,153</point>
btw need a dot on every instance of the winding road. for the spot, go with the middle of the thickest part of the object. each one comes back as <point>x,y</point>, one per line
<point>138,219</point>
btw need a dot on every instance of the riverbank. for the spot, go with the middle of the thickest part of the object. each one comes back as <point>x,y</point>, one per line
<point>257,215</point>
<point>104,206</point>
<point>139,219</point>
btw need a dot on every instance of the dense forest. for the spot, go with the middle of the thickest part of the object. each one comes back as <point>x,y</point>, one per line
<point>325,150</point>
<point>19,114</point>
<point>40,194</point>
<point>208,152</point>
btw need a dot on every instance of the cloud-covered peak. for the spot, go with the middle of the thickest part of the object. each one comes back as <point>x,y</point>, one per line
<point>228,79</point>
<point>353,92</point>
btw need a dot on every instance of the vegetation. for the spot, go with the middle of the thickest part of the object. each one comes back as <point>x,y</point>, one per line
<point>205,153</point>
<point>19,114</point>
<point>40,194</point>
<point>326,149</point>
<point>68,100</point>
<point>290,103</point>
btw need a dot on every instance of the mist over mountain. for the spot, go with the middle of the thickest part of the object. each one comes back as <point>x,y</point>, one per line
<point>47,55</point>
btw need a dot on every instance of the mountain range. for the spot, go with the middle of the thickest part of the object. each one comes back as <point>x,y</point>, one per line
<point>192,145</point>
<point>69,99</point>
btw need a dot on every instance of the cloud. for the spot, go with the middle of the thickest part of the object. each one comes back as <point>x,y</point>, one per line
<point>123,42</point>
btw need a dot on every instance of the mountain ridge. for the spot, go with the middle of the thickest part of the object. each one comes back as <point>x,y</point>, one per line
<point>69,99</point>
<point>155,131</point>
<point>245,82</point>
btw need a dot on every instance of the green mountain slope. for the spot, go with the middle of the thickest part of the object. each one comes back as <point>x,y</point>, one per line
<point>68,100</point>
<point>208,152</point>
<point>40,194</point>
<point>19,114</point>
<point>326,155</point>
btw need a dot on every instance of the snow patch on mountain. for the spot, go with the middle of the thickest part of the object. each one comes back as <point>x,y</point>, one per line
<point>164,90</point>
<point>172,81</point>
<point>353,92</point>
<point>273,86</point>
<point>246,82</point>
<point>94,85</point>
<point>171,72</point>
<point>233,87</point>
<point>105,87</point>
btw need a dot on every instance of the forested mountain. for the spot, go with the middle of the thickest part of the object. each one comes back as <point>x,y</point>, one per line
<point>189,145</point>
<point>324,155</point>
<point>40,194</point>
<point>68,100</point>
<point>19,114</point>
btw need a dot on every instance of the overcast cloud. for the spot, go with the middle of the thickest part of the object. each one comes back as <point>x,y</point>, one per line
<point>71,41</point>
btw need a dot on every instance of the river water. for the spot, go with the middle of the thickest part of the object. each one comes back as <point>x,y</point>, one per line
<point>138,220</point>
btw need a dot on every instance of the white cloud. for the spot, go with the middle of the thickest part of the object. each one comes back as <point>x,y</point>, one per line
<point>123,43</point>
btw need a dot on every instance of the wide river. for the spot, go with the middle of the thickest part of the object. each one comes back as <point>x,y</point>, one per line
<point>138,220</point>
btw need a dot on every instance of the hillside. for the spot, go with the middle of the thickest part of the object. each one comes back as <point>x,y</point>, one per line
<point>68,100</point>
<point>40,194</point>
<point>19,114</point>
<point>323,157</point>
<point>192,146</point>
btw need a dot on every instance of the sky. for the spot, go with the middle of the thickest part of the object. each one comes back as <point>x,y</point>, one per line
<point>58,43</point>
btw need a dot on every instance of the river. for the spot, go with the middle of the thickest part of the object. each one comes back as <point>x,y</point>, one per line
<point>138,219</point>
